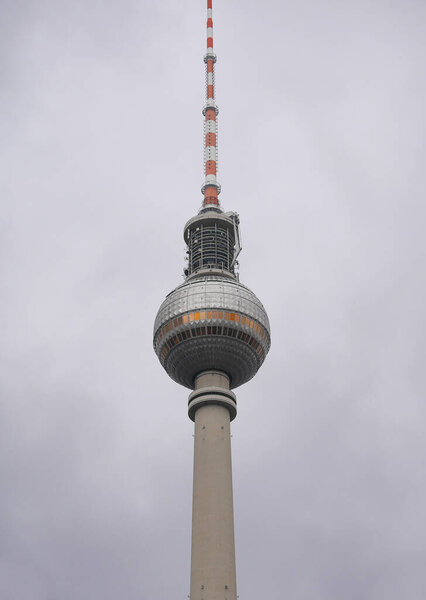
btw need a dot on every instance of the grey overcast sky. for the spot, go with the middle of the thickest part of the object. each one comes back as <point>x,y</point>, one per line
<point>322,152</point>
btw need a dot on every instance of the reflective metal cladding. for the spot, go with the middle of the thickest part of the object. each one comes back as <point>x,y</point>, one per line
<point>211,322</point>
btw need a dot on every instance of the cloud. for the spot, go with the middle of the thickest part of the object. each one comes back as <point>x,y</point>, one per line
<point>321,152</point>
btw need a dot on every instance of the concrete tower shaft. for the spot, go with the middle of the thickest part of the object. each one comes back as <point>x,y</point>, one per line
<point>213,574</point>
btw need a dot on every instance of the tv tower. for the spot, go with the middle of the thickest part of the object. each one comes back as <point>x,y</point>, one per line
<point>211,335</point>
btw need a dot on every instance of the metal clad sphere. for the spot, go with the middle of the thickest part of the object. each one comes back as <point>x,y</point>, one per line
<point>211,322</point>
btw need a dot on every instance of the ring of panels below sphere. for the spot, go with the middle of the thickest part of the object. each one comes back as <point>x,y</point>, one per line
<point>211,322</point>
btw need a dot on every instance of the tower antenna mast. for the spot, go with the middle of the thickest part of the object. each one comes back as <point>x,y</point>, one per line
<point>211,187</point>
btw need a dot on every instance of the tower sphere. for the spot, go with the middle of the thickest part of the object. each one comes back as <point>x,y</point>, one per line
<point>211,321</point>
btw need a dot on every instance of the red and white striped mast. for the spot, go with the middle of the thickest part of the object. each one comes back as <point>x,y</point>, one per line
<point>211,187</point>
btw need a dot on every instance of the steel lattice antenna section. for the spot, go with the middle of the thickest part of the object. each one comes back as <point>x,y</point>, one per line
<point>211,335</point>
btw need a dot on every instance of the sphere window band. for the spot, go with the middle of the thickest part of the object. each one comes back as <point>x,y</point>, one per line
<point>211,315</point>
<point>209,329</point>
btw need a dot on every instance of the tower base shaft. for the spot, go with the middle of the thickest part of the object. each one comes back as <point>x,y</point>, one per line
<point>213,548</point>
